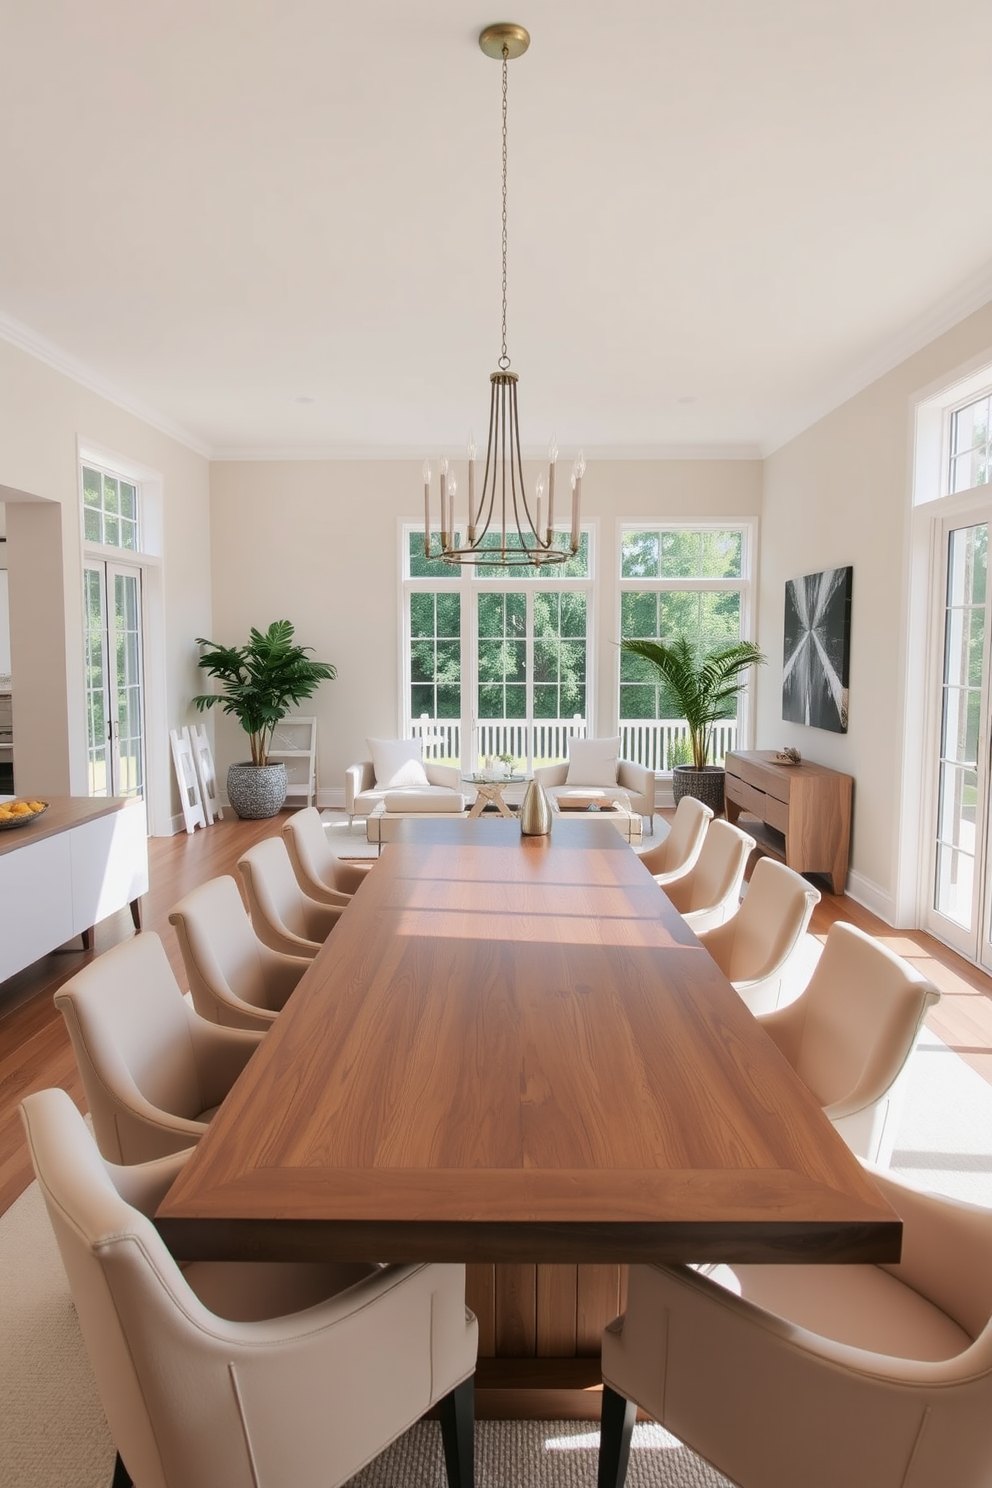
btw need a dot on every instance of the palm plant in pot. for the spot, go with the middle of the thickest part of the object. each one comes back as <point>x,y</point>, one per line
<point>702,689</point>
<point>259,684</point>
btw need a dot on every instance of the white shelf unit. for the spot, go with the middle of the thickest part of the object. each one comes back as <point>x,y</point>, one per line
<point>294,742</point>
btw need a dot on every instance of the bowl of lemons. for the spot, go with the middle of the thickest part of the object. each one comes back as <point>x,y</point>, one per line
<point>19,813</point>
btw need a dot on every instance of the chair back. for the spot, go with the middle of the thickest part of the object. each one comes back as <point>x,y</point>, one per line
<point>133,1036</point>
<point>230,971</point>
<point>851,1033</point>
<point>282,915</point>
<point>120,1275</point>
<point>712,888</point>
<point>754,947</point>
<point>681,848</point>
<point>316,868</point>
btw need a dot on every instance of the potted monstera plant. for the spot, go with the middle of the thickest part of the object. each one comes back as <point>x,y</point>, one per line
<point>702,689</point>
<point>259,683</point>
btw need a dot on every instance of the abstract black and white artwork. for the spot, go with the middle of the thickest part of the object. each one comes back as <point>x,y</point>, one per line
<point>817,649</point>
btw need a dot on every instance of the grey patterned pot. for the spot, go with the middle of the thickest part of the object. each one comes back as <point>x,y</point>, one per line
<point>705,784</point>
<point>256,790</point>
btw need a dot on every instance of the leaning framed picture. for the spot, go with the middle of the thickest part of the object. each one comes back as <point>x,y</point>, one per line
<point>815,679</point>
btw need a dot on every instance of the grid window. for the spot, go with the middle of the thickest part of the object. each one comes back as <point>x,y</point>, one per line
<point>971,452</point>
<point>110,509</point>
<point>690,581</point>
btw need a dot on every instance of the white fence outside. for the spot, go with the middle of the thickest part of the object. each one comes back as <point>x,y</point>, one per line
<point>646,742</point>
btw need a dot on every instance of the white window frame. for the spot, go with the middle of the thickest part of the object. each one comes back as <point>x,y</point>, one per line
<point>930,412</point>
<point>464,581</point>
<point>148,557</point>
<point>744,586</point>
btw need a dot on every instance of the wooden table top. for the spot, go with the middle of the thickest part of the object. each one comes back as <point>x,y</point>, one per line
<point>514,1049</point>
<point>64,812</point>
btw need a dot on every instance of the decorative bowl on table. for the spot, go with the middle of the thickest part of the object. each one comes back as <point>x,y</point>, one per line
<point>20,813</point>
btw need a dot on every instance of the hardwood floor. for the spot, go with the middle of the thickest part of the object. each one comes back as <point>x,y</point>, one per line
<point>35,1050</point>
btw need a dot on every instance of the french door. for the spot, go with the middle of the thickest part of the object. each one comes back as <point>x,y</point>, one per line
<point>115,708</point>
<point>530,667</point>
<point>960,898</point>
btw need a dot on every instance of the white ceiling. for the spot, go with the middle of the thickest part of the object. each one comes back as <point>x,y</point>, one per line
<point>273,225</point>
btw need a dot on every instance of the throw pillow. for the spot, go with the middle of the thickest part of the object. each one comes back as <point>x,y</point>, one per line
<point>397,763</point>
<point>592,761</point>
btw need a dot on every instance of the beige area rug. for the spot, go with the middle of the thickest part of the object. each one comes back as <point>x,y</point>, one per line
<point>53,1433</point>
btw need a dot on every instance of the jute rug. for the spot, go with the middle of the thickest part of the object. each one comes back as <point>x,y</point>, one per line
<point>53,1433</point>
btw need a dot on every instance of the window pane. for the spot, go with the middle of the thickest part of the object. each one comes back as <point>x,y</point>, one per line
<point>434,567</point>
<point>640,555</point>
<point>639,616</point>
<point>681,555</point>
<point>721,555</point>
<point>91,487</point>
<point>92,525</point>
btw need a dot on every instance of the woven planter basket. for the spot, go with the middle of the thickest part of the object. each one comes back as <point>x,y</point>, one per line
<point>706,785</point>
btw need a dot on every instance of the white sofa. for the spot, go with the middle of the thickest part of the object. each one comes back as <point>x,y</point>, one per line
<point>594,769</point>
<point>397,769</point>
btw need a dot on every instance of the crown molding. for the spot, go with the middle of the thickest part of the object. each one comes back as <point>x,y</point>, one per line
<point>948,312</point>
<point>247,453</point>
<point>21,336</point>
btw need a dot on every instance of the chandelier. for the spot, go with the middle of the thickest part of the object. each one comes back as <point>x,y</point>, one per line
<point>502,529</point>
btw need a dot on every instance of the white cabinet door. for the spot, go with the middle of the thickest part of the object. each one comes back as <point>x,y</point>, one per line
<point>35,902</point>
<point>109,859</point>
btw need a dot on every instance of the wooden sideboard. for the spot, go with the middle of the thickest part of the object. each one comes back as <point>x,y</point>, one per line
<point>84,859</point>
<point>803,812</point>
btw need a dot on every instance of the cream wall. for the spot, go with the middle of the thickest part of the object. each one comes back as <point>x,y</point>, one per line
<point>318,543</point>
<point>44,416</point>
<point>841,493</point>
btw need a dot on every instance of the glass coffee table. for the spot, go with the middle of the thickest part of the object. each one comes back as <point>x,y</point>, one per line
<point>490,793</point>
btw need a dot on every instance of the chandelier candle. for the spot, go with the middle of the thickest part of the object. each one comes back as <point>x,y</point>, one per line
<point>502,531</point>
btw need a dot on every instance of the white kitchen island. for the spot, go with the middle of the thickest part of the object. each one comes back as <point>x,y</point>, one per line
<point>83,859</point>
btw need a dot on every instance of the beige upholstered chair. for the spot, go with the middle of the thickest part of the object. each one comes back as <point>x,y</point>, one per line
<point>850,1034</point>
<point>820,1376</point>
<point>234,978</point>
<point>153,1071</point>
<point>754,949</point>
<point>235,1375</point>
<point>677,853</point>
<point>397,765</point>
<point>594,765</point>
<point>282,915</point>
<point>711,891</point>
<point>318,872</point>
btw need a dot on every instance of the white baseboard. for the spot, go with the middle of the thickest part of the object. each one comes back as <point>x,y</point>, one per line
<point>331,795</point>
<point>868,894</point>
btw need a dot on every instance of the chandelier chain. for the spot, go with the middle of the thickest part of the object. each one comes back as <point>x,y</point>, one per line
<point>504,360</point>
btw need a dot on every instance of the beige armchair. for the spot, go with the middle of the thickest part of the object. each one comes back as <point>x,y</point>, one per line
<point>711,891</point>
<point>397,765</point>
<point>235,1375</point>
<point>594,765</point>
<point>282,915</point>
<point>153,1071</point>
<point>234,978</point>
<point>849,1036</point>
<point>820,1376</point>
<point>677,853</point>
<point>318,872</point>
<point>756,948</point>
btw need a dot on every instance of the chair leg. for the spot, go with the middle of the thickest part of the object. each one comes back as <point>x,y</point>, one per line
<point>121,1478</point>
<point>457,1412</point>
<point>616,1429</point>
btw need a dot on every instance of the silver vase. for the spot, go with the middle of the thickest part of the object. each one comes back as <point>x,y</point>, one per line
<point>535,813</point>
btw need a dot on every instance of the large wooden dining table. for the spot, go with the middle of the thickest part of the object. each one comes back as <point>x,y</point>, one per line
<point>513,1050</point>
